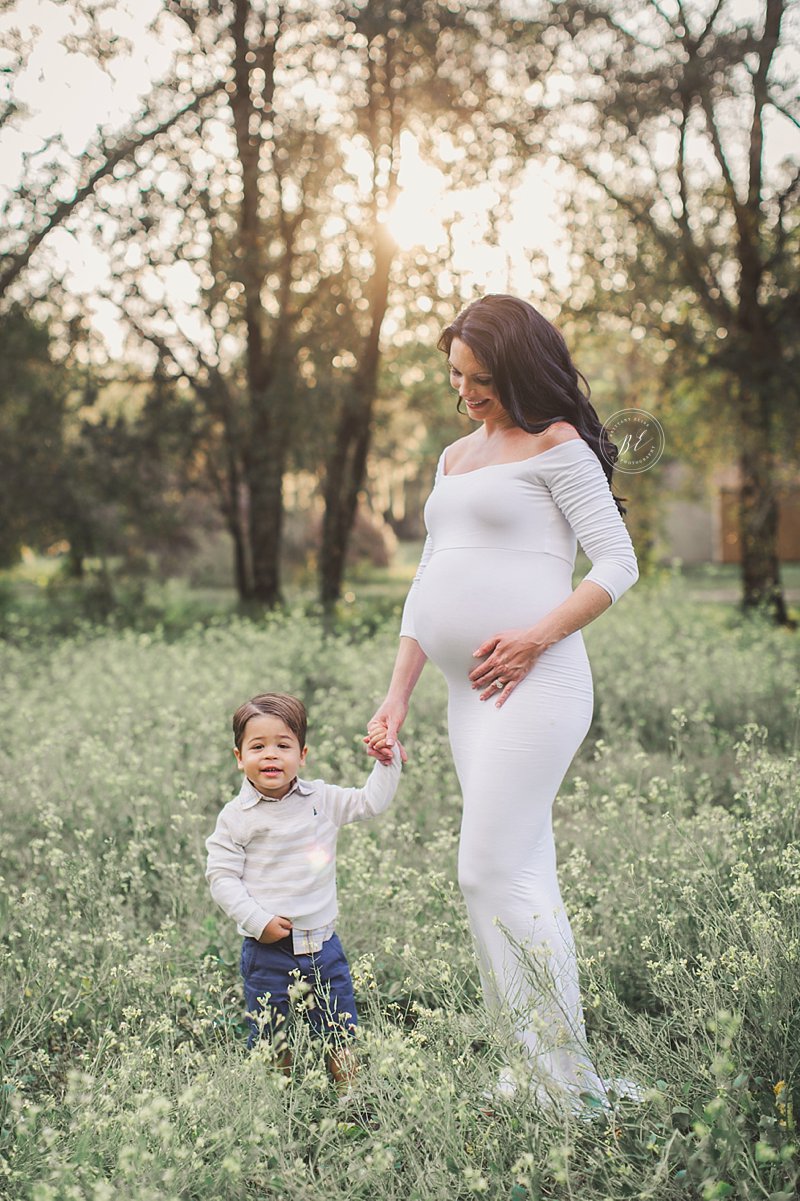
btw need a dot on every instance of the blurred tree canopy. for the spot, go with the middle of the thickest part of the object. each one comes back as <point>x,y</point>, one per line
<point>33,402</point>
<point>244,214</point>
<point>689,232</point>
<point>269,206</point>
<point>87,468</point>
<point>55,183</point>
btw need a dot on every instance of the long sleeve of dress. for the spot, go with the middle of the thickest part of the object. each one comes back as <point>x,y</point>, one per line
<point>581,490</point>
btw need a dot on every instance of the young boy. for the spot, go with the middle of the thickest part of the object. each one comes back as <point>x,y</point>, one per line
<point>272,868</point>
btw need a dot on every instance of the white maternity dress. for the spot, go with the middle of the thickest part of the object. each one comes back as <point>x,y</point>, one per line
<point>500,554</point>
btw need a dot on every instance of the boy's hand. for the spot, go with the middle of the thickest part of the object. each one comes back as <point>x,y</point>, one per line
<point>275,930</point>
<point>380,740</point>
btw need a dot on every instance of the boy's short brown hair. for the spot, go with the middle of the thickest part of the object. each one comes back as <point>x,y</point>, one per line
<point>289,709</point>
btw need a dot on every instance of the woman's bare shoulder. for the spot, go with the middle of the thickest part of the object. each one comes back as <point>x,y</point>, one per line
<point>453,453</point>
<point>558,432</point>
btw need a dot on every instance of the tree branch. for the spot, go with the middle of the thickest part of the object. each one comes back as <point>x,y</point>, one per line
<point>15,263</point>
<point>766,53</point>
<point>165,350</point>
<point>714,301</point>
<point>783,110</point>
<point>719,151</point>
<point>664,17</point>
<point>182,10</point>
<point>709,24</point>
<point>784,198</point>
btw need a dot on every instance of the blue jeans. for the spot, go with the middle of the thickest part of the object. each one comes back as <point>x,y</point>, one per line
<point>269,970</point>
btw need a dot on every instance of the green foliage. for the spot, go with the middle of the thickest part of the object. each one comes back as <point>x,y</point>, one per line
<point>127,477</point>
<point>91,471</point>
<point>124,1067</point>
<point>33,402</point>
<point>683,229</point>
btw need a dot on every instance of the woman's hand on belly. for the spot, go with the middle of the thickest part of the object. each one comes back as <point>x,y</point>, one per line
<point>507,658</point>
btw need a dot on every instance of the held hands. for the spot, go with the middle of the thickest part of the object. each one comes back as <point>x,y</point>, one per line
<point>382,731</point>
<point>275,930</point>
<point>507,659</point>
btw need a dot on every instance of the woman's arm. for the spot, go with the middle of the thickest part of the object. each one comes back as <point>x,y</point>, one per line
<point>582,493</point>
<point>384,725</point>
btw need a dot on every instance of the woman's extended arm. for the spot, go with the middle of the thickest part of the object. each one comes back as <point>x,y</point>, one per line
<point>384,725</point>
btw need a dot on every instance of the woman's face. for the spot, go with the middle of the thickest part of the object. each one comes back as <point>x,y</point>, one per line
<point>474,383</point>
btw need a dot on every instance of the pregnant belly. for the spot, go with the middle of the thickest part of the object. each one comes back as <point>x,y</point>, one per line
<point>467,595</point>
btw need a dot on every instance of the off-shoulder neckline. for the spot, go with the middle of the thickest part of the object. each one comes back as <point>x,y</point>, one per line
<point>447,475</point>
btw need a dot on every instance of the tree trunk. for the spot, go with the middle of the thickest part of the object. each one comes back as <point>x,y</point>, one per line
<point>343,481</point>
<point>264,466</point>
<point>239,531</point>
<point>346,464</point>
<point>264,457</point>
<point>759,388</point>
<point>758,518</point>
<point>75,563</point>
<point>237,512</point>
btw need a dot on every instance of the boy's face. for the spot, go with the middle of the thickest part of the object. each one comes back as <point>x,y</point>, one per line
<point>270,755</point>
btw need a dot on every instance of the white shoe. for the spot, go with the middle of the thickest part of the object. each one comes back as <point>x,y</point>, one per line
<point>514,1085</point>
<point>584,1104</point>
<point>503,1091</point>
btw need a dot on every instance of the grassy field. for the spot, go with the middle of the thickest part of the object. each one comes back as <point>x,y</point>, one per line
<point>124,1068</point>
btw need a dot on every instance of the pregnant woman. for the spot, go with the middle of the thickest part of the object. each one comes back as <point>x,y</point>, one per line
<point>492,605</point>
